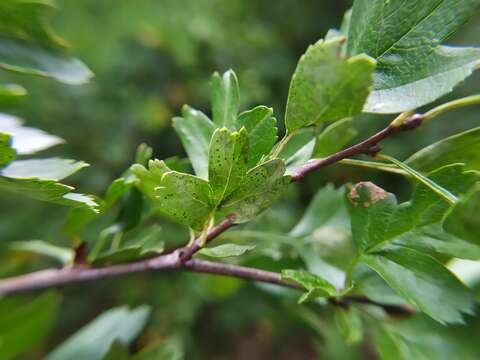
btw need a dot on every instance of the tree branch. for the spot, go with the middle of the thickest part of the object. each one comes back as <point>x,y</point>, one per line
<point>181,259</point>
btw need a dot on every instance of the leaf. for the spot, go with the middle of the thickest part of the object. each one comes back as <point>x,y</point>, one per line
<point>94,339</point>
<point>116,352</point>
<point>27,140</point>
<point>46,169</point>
<point>349,324</point>
<point>261,186</point>
<point>195,131</point>
<point>226,250</point>
<point>298,149</point>
<point>7,153</point>
<point>169,349</point>
<point>261,127</point>
<point>23,325</point>
<point>464,146</point>
<point>334,138</point>
<point>404,37</point>
<point>29,45</point>
<point>225,98</point>
<point>227,162</point>
<point>326,86</point>
<point>423,282</point>
<point>148,180</point>
<point>372,209</point>
<point>63,254</point>
<point>315,285</point>
<point>11,94</point>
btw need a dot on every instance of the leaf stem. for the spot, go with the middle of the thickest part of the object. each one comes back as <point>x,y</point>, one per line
<point>452,105</point>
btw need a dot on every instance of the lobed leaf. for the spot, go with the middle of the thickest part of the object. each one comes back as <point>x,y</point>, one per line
<point>225,98</point>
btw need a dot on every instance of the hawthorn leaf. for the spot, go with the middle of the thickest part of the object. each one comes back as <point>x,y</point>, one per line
<point>24,325</point>
<point>195,131</point>
<point>298,149</point>
<point>48,169</point>
<point>7,153</point>
<point>261,127</point>
<point>225,98</point>
<point>349,324</point>
<point>404,37</point>
<point>227,162</point>
<point>148,179</point>
<point>423,282</point>
<point>327,86</point>
<point>261,186</point>
<point>27,140</point>
<point>463,147</point>
<point>334,138</point>
<point>63,254</point>
<point>226,250</point>
<point>316,286</point>
<point>94,339</point>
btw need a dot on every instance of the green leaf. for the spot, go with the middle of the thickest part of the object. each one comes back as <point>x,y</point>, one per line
<point>371,211</point>
<point>169,349</point>
<point>257,191</point>
<point>404,37</point>
<point>225,98</point>
<point>226,250</point>
<point>316,286</point>
<point>298,149</point>
<point>261,127</point>
<point>63,254</point>
<point>195,131</point>
<point>334,138</point>
<point>11,94</point>
<point>27,140</point>
<point>227,162</point>
<point>46,169</point>
<point>326,86</point>
<point>116,352</point>
<point>148,180</point>
<point>349,324</point>
<point>24,325</point>
<point>423,282</point>
<point>29,45</point>
<point>7,153</point>
<point>94,339</point>
<point>463,147</point>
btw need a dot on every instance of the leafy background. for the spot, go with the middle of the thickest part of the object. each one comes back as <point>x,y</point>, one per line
<point>149,58</point>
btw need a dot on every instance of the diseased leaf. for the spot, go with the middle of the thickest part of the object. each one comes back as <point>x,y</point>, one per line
<point>349,324</point>
<point>261,186</point>
<point>404,37</point>
<point>463,147</point>
<point>195,131</point>
<point>334,138</point>
<point>316,286</point>
<point>261,127</point>
<point>423,282</point>
<point>24,325</point>
<point>26,140</point>
<point>94,339</point>
<point>227,162</point>
<point>225,98</point>
<point>226,250</point>
<point>326,86</point>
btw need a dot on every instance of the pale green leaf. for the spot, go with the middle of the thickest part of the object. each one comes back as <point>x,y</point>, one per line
<point>261,186</point>
<point>334,138</point>
<point>45,169</point>
<point>349,324</point>
<point>147,179</point>
<point>423,282</point>
<point>226,250</point>
<point>195,131</point>
<point>63,254</point>
<point>298,149</point>
<point>227,162</point>
<point>94,339</point>
<point>225,98</point>
<point>326,86</point>
<point>404,37</point>
<point>261,127</point>
<point>316,286</point>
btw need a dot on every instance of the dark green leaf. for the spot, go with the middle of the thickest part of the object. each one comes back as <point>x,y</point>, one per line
<point>195,131</point>
<point>423,282</point>
<point>261,127</point>
<point>227,162</point>
<point>404,37</point>
<point>258,190</point>
<point>225,98</point>
<point>326,86</point>
<point>93,340</point>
